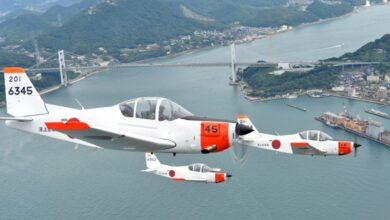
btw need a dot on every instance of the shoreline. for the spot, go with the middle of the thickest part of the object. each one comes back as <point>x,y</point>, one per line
<point>203,49</point>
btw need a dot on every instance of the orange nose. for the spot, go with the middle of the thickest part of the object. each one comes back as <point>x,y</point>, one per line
<point>345,147</point>
<point>214,133</point>
<point>219,177</point>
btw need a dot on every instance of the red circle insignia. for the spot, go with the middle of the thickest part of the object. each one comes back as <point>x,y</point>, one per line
<point>276,144</point>
<point>171,173</point>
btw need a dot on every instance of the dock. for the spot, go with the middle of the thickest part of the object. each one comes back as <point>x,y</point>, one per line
<point>377,113</point>
<point>296,107</point>
<point>353,132</point>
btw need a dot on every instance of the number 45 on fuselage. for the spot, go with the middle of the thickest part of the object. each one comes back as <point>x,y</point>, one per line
<point>148,124</point>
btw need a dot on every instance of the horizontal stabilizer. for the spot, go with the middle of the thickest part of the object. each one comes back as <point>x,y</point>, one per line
<point>149,170</point>
<point>16,118</point>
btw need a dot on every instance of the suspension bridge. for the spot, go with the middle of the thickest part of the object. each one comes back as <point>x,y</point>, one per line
<point>64,61</point>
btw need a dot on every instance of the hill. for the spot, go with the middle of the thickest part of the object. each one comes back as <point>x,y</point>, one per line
<point>376,51</point>
<point>121,24</point>
<point>21,27</point>
<point>264,84</point>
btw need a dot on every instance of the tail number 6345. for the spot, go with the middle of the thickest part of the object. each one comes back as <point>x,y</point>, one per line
<point>17,90</point>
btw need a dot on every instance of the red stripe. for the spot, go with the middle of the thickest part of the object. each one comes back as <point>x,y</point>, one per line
<point>299,144</point>
<point>70,125</point>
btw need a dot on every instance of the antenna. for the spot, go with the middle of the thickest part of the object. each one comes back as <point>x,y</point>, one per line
<point>82,107</point>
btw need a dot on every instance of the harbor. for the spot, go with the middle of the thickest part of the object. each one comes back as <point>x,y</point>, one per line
<point>368,129</point>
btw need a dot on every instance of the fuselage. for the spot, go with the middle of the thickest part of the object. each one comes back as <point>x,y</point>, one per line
<point>189,134</point>
<point>296,144</point>
<point>189,173</point>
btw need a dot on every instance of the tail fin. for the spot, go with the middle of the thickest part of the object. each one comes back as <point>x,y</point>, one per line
<point>151,161</point>
<point>244,119</point>
<point>21,96</point>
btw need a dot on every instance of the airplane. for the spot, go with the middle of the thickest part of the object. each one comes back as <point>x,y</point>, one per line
<point>312,142</point>
<point>146,124</point>
<point>194,173</point>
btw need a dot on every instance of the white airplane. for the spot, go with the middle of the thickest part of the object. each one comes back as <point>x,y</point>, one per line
<point>195,172</point>
<point>148,124</point>
<point>307,142</point>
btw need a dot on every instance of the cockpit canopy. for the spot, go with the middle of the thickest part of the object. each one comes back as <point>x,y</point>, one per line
<point>315,135</point>
<point>199,167</point>
<point>153,108</point>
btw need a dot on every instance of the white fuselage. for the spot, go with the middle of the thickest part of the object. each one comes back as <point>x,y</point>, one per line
<point>182,173</point>
<point>186,134</point>
<point>294,144</point>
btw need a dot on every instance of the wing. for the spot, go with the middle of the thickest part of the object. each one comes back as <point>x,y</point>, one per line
<point>305,146</point>
<point>15,119</point>
<point>107,139</point>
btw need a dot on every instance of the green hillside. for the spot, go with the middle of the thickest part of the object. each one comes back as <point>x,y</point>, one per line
<point>121,24</point>
<point>264,84</point>
<point>21,27</point>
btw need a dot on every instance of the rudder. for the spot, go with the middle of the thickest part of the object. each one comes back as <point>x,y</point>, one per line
<point>22,98</point>
<point>244,119</point>
<point>152,161</point>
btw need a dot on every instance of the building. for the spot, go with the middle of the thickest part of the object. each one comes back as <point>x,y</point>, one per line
<point>375,129</point>
<point>338,89</point>
<point>332,118</point>
<point>382,92</point>
<point>385,136</point>
<point>387,78</point>
<point>373,78</point>
<point>351,92</point>
<point>358,126</point>
<point>154,46</point>
<point>284,66</point>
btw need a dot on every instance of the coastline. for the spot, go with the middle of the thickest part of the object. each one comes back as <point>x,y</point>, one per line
<point>198,50</point>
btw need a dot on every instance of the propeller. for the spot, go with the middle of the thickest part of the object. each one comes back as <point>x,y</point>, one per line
<point>228,175</point>
<point>238,152</point>
<point>355,147</point>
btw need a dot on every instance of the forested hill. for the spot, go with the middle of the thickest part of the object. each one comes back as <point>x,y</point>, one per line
<point>121,24</point>
<point>264,84</point>
<point>376,51</point>
<point>22,27</point>
<point>268,13</point>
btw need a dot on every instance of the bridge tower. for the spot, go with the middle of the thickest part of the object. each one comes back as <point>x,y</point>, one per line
<point>61,62</point>
<point>233,64</point>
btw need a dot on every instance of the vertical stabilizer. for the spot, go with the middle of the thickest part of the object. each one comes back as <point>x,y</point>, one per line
<point>21,96</point>
<point>151,161</point>
<point>244,120</point>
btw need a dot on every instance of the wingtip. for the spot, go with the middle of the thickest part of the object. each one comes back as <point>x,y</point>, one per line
<point>13,70</point>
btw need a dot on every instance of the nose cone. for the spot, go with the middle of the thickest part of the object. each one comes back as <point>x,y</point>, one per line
<point>345,147</point>
<point>243,129</point>
<point>220,177</point>
<point>228,175</point>
<point>356,145</point>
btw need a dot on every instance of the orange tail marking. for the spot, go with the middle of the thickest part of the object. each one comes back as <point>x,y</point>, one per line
<point>10,70</point>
